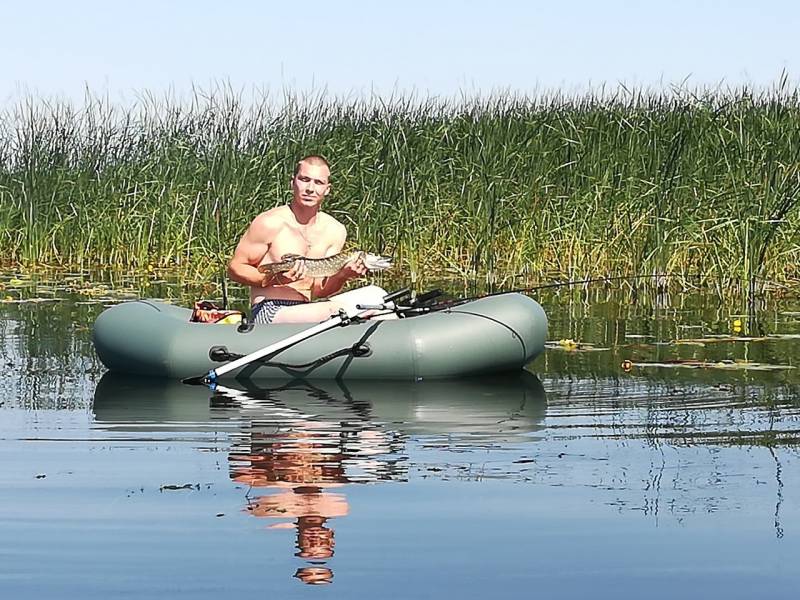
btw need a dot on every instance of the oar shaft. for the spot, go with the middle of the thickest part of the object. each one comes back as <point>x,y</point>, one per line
<point>298,337</point>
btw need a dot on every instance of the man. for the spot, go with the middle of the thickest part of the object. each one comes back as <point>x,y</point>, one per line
<point>299,228</point>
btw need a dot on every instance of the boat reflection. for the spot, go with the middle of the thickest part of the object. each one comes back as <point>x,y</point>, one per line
<point>297,445</point>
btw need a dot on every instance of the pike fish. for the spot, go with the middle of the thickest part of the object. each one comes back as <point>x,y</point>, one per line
<point>325,267</point>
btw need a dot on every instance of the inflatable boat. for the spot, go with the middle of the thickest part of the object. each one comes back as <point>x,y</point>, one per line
<point>492,334</point>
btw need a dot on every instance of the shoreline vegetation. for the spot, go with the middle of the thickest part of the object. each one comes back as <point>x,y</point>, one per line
<point>694,187</point>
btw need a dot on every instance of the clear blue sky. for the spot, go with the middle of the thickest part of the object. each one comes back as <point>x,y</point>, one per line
<point>57,48</point>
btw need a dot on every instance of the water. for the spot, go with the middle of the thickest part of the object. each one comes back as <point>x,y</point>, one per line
<point>579,477</point>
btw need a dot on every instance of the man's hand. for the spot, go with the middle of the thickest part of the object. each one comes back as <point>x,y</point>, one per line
<point>332,285</point>
<point>296,273</point>
<point>353,269</point>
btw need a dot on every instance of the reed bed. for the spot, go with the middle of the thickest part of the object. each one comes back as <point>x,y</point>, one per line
<point>697,185</point>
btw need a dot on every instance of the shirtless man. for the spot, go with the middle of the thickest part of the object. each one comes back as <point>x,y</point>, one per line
<point>299,228</point>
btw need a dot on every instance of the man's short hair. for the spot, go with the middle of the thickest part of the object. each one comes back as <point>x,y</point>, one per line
<point>311,159</point>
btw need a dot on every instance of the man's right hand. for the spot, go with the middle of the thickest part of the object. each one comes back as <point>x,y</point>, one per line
<point>296,273</point>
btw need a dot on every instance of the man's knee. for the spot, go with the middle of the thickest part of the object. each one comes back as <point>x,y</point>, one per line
<point>376,291</point>
<point>371,294</point>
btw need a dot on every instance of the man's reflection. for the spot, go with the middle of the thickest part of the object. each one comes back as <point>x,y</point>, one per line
<point>314,575</point>
<point>302,457</point>
<point>302,443</point>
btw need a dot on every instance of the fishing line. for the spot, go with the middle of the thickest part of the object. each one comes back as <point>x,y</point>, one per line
<point>450,303</point>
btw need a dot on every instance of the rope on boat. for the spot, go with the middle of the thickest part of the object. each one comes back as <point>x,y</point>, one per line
<point>221,354</point>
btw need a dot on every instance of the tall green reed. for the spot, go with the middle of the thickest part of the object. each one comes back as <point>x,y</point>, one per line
<point>505,190</point>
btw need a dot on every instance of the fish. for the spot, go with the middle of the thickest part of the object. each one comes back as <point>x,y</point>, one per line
<point>325,267</point>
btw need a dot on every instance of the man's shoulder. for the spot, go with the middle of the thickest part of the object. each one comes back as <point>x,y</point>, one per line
<point>330,222</point>
<point>273,217</point>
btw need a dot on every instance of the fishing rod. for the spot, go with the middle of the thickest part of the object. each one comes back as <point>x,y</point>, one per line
<point>587,281</point>
<point>627,277</point>
<point>571,282</point>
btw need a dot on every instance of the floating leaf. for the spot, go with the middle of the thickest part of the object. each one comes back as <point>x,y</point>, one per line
<point>37,300</point>
<point>737,365</point>
<point>571,345</point>
<point>713,339</point>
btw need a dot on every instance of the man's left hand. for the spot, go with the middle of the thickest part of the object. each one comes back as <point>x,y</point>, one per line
<point>354,269</point>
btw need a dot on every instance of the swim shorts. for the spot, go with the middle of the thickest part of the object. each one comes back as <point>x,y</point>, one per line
<point>265,311</point>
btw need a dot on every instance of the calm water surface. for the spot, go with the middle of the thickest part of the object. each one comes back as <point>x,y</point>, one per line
<point>580,477</point>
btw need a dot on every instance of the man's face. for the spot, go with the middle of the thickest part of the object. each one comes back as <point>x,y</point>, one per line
<point>310,185</point>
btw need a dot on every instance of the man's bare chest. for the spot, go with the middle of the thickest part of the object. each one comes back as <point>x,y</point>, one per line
<point>311,242</point>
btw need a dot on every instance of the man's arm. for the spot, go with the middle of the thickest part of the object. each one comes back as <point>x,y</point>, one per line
<point>243,266</point>
<point>324,288</point>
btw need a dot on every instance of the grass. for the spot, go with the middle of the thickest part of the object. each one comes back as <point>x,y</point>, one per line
<point>701,185</point>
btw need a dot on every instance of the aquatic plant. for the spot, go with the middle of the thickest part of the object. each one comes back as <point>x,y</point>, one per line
<point>700,185</point>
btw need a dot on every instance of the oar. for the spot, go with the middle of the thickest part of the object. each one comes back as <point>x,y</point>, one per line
<point>343,318</point>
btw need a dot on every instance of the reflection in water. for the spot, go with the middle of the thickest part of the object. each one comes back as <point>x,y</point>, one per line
<point>682,446</point>
<point>302,455</point>
<point>779,501</point>
<point>43,369</point>
<point>686,409</point>
<point>299,444</point>
<point>696,464</point>
<point>314,575</point>
<point>698,412</point>
<point>309,439</point>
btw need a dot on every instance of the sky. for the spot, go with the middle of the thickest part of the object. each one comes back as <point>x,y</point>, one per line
<point>354,48</point>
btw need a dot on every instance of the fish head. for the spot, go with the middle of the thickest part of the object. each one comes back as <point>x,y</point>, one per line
<point>376,262</point>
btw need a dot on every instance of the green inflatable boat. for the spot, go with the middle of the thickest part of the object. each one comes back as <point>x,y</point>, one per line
<point>492,334</point>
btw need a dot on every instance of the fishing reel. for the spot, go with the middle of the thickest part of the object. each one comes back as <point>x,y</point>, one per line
<point>426,300</point>
<point>405,302</point>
